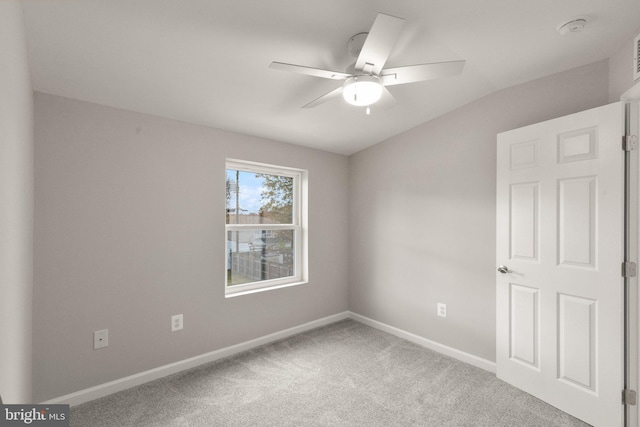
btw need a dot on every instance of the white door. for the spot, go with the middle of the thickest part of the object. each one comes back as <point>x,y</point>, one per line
<point>559,232</point>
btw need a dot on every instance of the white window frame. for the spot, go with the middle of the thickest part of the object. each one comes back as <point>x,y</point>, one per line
<point>299,227</point>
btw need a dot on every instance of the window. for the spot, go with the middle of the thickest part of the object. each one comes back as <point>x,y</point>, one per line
<point>265,230</point>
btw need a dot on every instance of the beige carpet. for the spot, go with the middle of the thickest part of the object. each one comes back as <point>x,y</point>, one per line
<point>344,374</point>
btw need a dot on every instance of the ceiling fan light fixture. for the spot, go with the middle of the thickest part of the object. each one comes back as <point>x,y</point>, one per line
<point>362,90</point>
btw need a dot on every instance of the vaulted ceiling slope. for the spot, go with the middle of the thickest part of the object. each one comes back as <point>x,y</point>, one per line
<point>206,61</point>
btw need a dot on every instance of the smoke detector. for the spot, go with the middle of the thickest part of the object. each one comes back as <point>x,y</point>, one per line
<point>574,26</point>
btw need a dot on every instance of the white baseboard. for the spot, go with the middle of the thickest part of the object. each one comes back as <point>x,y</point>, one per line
<point>479,362</point>
<point>106,389</point>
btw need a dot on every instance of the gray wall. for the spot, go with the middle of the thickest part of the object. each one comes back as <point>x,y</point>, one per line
<point>16,207</point>
<point>129,230</point>
<point>422,211</point>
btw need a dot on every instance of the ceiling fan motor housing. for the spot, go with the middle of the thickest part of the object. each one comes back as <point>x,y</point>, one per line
<point>355,43</point>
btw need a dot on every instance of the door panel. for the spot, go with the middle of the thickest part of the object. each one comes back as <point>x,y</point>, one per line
<point>577,341</point>
<point>524,325</point>
<point>524,221</point>
<point>577,221</point>
<point>559,231</point>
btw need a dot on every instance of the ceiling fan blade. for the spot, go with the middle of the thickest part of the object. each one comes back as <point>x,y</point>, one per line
<point>377,47</point>
<point>418,73</point>
<point>324,98</point>
<point>316,72</point>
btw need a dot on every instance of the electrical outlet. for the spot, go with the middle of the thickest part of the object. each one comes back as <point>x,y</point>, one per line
<point>100,339</point>
<point>442,309</point>
<point>177,322</point>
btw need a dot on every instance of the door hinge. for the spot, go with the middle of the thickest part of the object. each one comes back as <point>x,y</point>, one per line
<point>629,397</point>
<point>629,269</point>
<point>629,142</point>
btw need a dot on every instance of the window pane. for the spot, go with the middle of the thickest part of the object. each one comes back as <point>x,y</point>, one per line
<point>257,255</point>
<point>257,198</point>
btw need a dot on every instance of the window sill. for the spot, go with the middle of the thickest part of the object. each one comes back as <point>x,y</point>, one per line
<point>266,288</point>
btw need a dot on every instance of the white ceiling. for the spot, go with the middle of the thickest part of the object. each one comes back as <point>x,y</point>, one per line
<point>206,61</point>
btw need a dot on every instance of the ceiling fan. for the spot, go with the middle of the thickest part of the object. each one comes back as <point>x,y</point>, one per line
<point>365,81</point>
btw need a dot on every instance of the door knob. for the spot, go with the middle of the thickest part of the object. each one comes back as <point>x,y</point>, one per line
<point>503,269</point>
